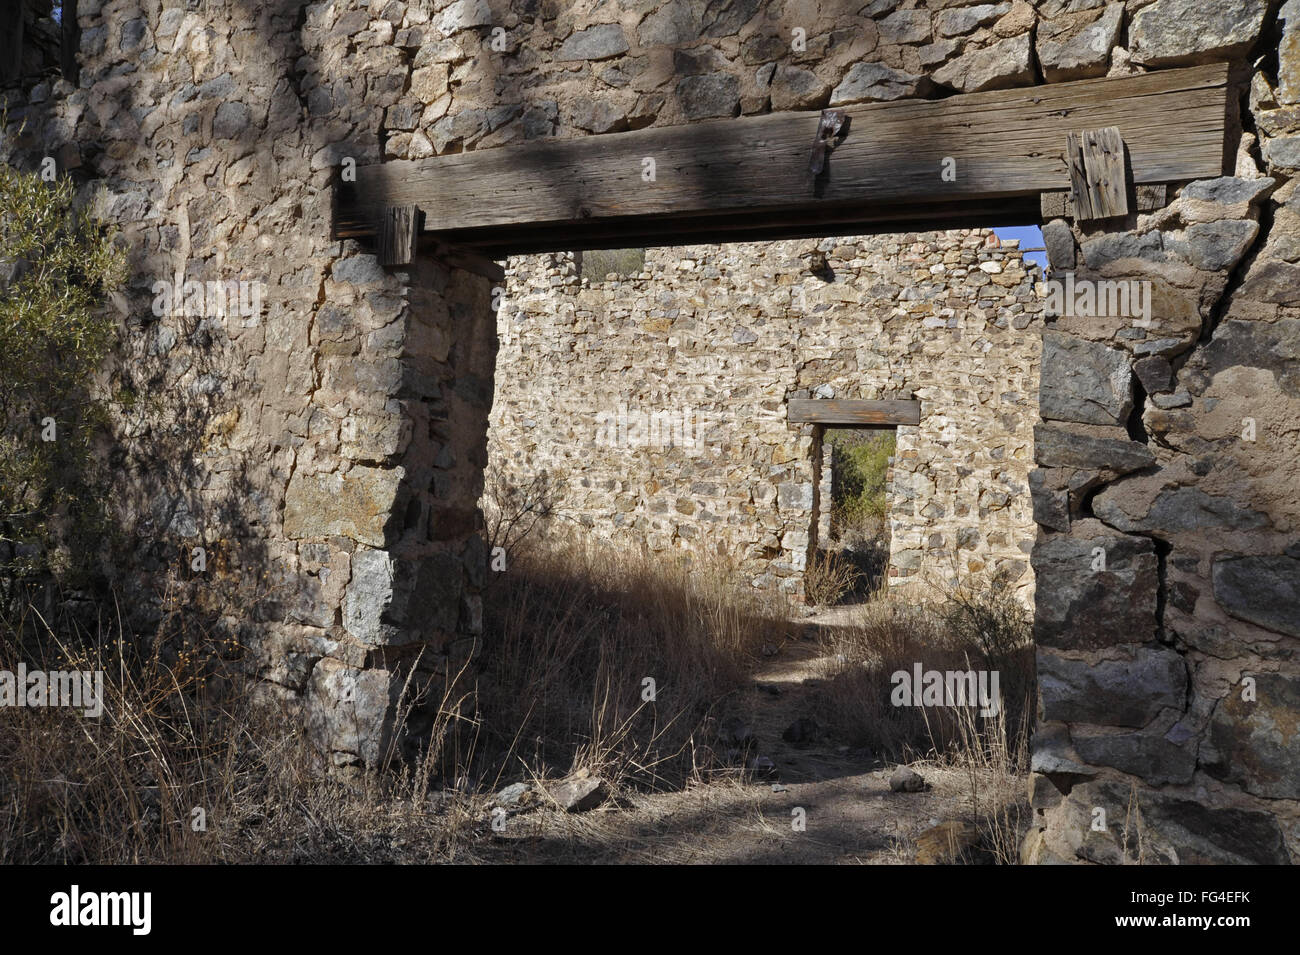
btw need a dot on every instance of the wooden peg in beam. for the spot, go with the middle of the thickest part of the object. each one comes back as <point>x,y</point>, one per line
<point>1098,174</point>
<point>398,232</point>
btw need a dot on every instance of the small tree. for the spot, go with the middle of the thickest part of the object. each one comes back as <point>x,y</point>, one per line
<point>57,264</point>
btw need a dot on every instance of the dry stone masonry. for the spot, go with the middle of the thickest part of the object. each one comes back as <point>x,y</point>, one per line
<point>328,448</point>
<point>713,341</point>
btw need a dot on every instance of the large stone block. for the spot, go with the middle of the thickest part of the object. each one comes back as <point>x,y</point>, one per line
<point>1084,381</point>
<point>1255,742</point>
<point>1130,692</point>
<point>1151,504</point>
<point>1079,607</point>
<point>873,83</point>
<point>1263,590</point>
<point>1006,63</point>
<point>1273,346</point>
<point>1158,755</point>
<point>1182,32</point>
<point>1076,46</point>
<point>358,505</point>
<point>714,94</point>
<point>395,600</point>
<point>1089,447</point>
<point>350,712</point>
<point>595,43</point>
<point>1155,827</point>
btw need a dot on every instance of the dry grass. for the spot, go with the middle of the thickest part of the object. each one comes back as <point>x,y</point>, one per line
<point>178,734</point>
<point>829,577</point>
<point>971,628</point>
<point>574,637</point>
<point>571,640</point>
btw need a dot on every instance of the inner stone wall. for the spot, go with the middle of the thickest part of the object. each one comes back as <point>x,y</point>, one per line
<point>713,340</point>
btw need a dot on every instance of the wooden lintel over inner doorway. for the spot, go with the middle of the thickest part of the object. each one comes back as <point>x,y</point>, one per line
<point>848,413</point>
<point>973,159</point>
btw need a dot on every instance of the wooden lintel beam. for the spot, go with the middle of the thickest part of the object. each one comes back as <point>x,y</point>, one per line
<point>1006,144</point>
<point>844,412</point>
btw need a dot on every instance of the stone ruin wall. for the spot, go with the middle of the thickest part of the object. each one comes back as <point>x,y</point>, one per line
<point>213,131</point>
<point>718,338</point>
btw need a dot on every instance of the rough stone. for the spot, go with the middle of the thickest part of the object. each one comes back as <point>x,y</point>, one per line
<point>1059,242</point>
<point>1125,692</point>
<point>1175,830</point>
<point>581,792</point>
<point>396,600</point>
<point>905,26</point>
<point>358,505</point>
<point>595,43</point>
<point>795,88</point>
<point>715,94</point>
<point>905,780</point>
<point>1089,446</point>
<point>1256,742</point>
<point>1079,46</point>
<point>1126,507</point>
<point>1078,607</point>
<point>1260,589</point>
<point>1218,246</point>
<point>1182,32</point>
<point>1006,63</point>
<point>1155,373</point>
<point>873,83</point>
<point>966,19</point>
<point>1147,754</point>
<point>1084,381</point>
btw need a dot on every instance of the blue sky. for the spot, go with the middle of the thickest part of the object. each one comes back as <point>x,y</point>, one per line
<point>1030,236</point>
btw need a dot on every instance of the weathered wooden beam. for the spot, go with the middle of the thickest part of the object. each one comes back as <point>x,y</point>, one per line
<point>844,412</point>
<point>850,219</point>
<point>1005,144</point>
<point>1098,181</point>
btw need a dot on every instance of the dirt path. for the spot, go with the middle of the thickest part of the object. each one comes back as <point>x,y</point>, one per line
<point>842,797</point>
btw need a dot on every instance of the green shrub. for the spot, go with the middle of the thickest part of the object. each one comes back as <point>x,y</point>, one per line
<point>57,264</point>
<point>860,465</point>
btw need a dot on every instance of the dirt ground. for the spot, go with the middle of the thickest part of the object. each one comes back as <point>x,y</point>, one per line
<point>849,813</point>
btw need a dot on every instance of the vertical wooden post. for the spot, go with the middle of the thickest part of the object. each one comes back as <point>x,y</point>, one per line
<point>397,234</point>
<point>1098,178</point>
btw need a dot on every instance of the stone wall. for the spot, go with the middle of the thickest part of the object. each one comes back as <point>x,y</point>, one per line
<point>323,445</point>
<point>715,339</point>
<point>213,131</point>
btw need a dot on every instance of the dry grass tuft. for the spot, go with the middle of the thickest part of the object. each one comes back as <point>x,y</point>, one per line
<point>574,634</point>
